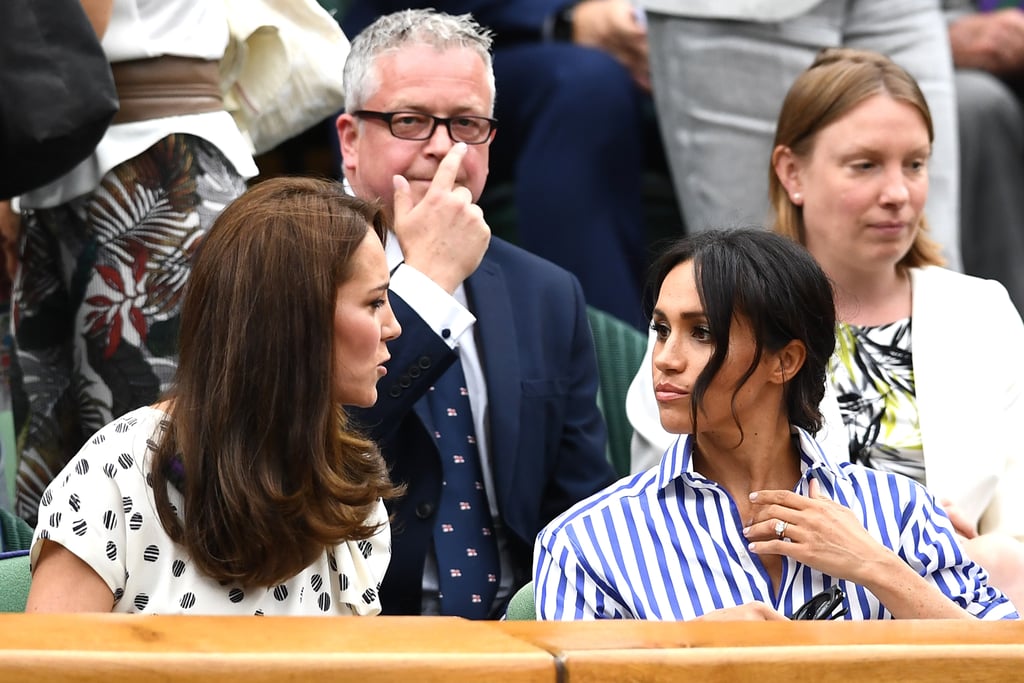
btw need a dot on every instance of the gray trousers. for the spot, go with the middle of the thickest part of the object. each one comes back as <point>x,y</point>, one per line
<point>719,85</point>
<point>992,180</point>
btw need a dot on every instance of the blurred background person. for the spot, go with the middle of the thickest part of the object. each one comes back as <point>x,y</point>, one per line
<point>106,249</point>
<point>988,52</point>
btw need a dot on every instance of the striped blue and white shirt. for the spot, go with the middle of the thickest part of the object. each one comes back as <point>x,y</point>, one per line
<point>668,544</point>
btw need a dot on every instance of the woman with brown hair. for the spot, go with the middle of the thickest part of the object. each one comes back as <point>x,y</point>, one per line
<point>245,491</point>
<point>928,368</point>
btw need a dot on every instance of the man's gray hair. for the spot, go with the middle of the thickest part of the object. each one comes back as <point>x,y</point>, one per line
<point>410,27</point>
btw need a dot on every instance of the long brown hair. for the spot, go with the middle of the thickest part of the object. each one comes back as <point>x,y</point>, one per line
<point>837,81</point>
<point>272,473</point>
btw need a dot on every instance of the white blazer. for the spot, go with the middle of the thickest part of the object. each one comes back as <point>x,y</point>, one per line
<point>968,345</point>
<point>968,358</point>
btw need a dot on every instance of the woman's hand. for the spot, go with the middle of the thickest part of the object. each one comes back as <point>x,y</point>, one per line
<point>822,534</point>
<point>819,532</point>
<point>957,517</point>
<point>751,611</point>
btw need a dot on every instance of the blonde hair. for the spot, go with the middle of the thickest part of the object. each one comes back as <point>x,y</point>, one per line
<point>837,81</point>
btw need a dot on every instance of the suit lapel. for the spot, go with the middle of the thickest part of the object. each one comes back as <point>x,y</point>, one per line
<point>490,301</point>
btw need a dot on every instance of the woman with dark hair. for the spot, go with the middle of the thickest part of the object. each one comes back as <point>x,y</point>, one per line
<point>849,180</point>
<point>245,491</point>
<point>746,517</point>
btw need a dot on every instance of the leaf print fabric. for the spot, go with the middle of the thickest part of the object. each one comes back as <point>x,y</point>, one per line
<point>97,301</point>
<point>873,375</point>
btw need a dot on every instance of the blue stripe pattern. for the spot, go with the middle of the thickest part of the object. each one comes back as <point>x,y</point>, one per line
<point>667,544</point>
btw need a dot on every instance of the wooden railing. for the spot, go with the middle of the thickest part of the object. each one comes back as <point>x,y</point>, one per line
<point>121,648</point>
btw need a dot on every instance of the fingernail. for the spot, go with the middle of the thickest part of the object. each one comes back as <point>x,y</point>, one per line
<point>752,547</point>
<point>753,496</point>
<point>746,530</point>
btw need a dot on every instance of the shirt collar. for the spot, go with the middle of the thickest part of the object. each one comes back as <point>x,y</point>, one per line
<point>392,249</point>
<point>677,462</point>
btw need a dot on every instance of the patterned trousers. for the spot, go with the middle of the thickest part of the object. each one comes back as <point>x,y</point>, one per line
<point>97,300</point>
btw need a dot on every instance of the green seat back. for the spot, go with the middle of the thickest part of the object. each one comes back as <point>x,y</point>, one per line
<point>521,606</point>
<point>15,578</point>
<point>15,532</point>
<point>620,350</point>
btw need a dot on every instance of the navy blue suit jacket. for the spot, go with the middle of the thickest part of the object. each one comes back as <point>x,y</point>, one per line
<point>547,437</point>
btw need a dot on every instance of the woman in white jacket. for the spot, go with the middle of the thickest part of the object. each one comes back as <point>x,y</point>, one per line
<point>928,370</point>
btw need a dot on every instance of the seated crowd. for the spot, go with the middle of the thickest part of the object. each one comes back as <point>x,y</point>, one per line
<point>378,407</point>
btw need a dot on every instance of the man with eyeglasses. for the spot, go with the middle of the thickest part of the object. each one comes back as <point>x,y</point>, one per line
<point>420,96</point>
<point>578,134</point>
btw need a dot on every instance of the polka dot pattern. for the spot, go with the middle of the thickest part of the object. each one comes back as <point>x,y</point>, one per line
<point>101,508</point>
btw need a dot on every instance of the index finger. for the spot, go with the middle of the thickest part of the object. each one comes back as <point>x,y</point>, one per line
<point>782,497</point>
<point>448,169</point>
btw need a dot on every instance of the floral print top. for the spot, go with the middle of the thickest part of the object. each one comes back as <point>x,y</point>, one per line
<point>873,375</point>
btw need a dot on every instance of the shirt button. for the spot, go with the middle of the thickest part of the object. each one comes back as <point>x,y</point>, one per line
<point>424,509</point>
<point>445,333</point>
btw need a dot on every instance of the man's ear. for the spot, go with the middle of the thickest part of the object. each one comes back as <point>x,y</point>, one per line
<point>788,361</point>
<point>348,136</point>
<point>787,168</point>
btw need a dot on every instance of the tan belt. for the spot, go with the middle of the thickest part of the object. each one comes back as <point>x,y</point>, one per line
<point>166,86</point>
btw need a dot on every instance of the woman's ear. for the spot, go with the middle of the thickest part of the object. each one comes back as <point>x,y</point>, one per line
<point>787,168</point>
<point>788,361</point>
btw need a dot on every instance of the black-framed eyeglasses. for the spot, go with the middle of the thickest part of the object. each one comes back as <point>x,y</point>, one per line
<point>826,605</point>
<point>415,125</point>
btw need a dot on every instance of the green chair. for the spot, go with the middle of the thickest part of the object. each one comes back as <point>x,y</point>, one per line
<point>620,350</point>
<point>521,606</point>
<point>15,578</point>
<point>15,575</point>
<point>15,533</point>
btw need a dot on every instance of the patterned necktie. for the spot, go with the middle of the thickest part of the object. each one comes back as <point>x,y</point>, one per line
<point>467,553</point>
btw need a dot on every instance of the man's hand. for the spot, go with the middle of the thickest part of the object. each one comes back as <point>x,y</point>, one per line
<point>612,26</point>
<point>444,235</point>
<point>990,41</point>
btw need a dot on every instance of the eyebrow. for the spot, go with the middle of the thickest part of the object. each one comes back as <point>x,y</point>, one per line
<point>685,315</point>
<point>861,150</point>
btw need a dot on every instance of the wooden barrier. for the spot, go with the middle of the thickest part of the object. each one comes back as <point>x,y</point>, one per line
<point>823,652</point>
<point>116,648</point>
<point>121,648</point>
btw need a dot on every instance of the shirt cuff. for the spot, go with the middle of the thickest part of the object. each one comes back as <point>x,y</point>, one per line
<point>441,311</point>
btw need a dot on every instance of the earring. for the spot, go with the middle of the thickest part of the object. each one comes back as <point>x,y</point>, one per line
<point>797,198</point>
